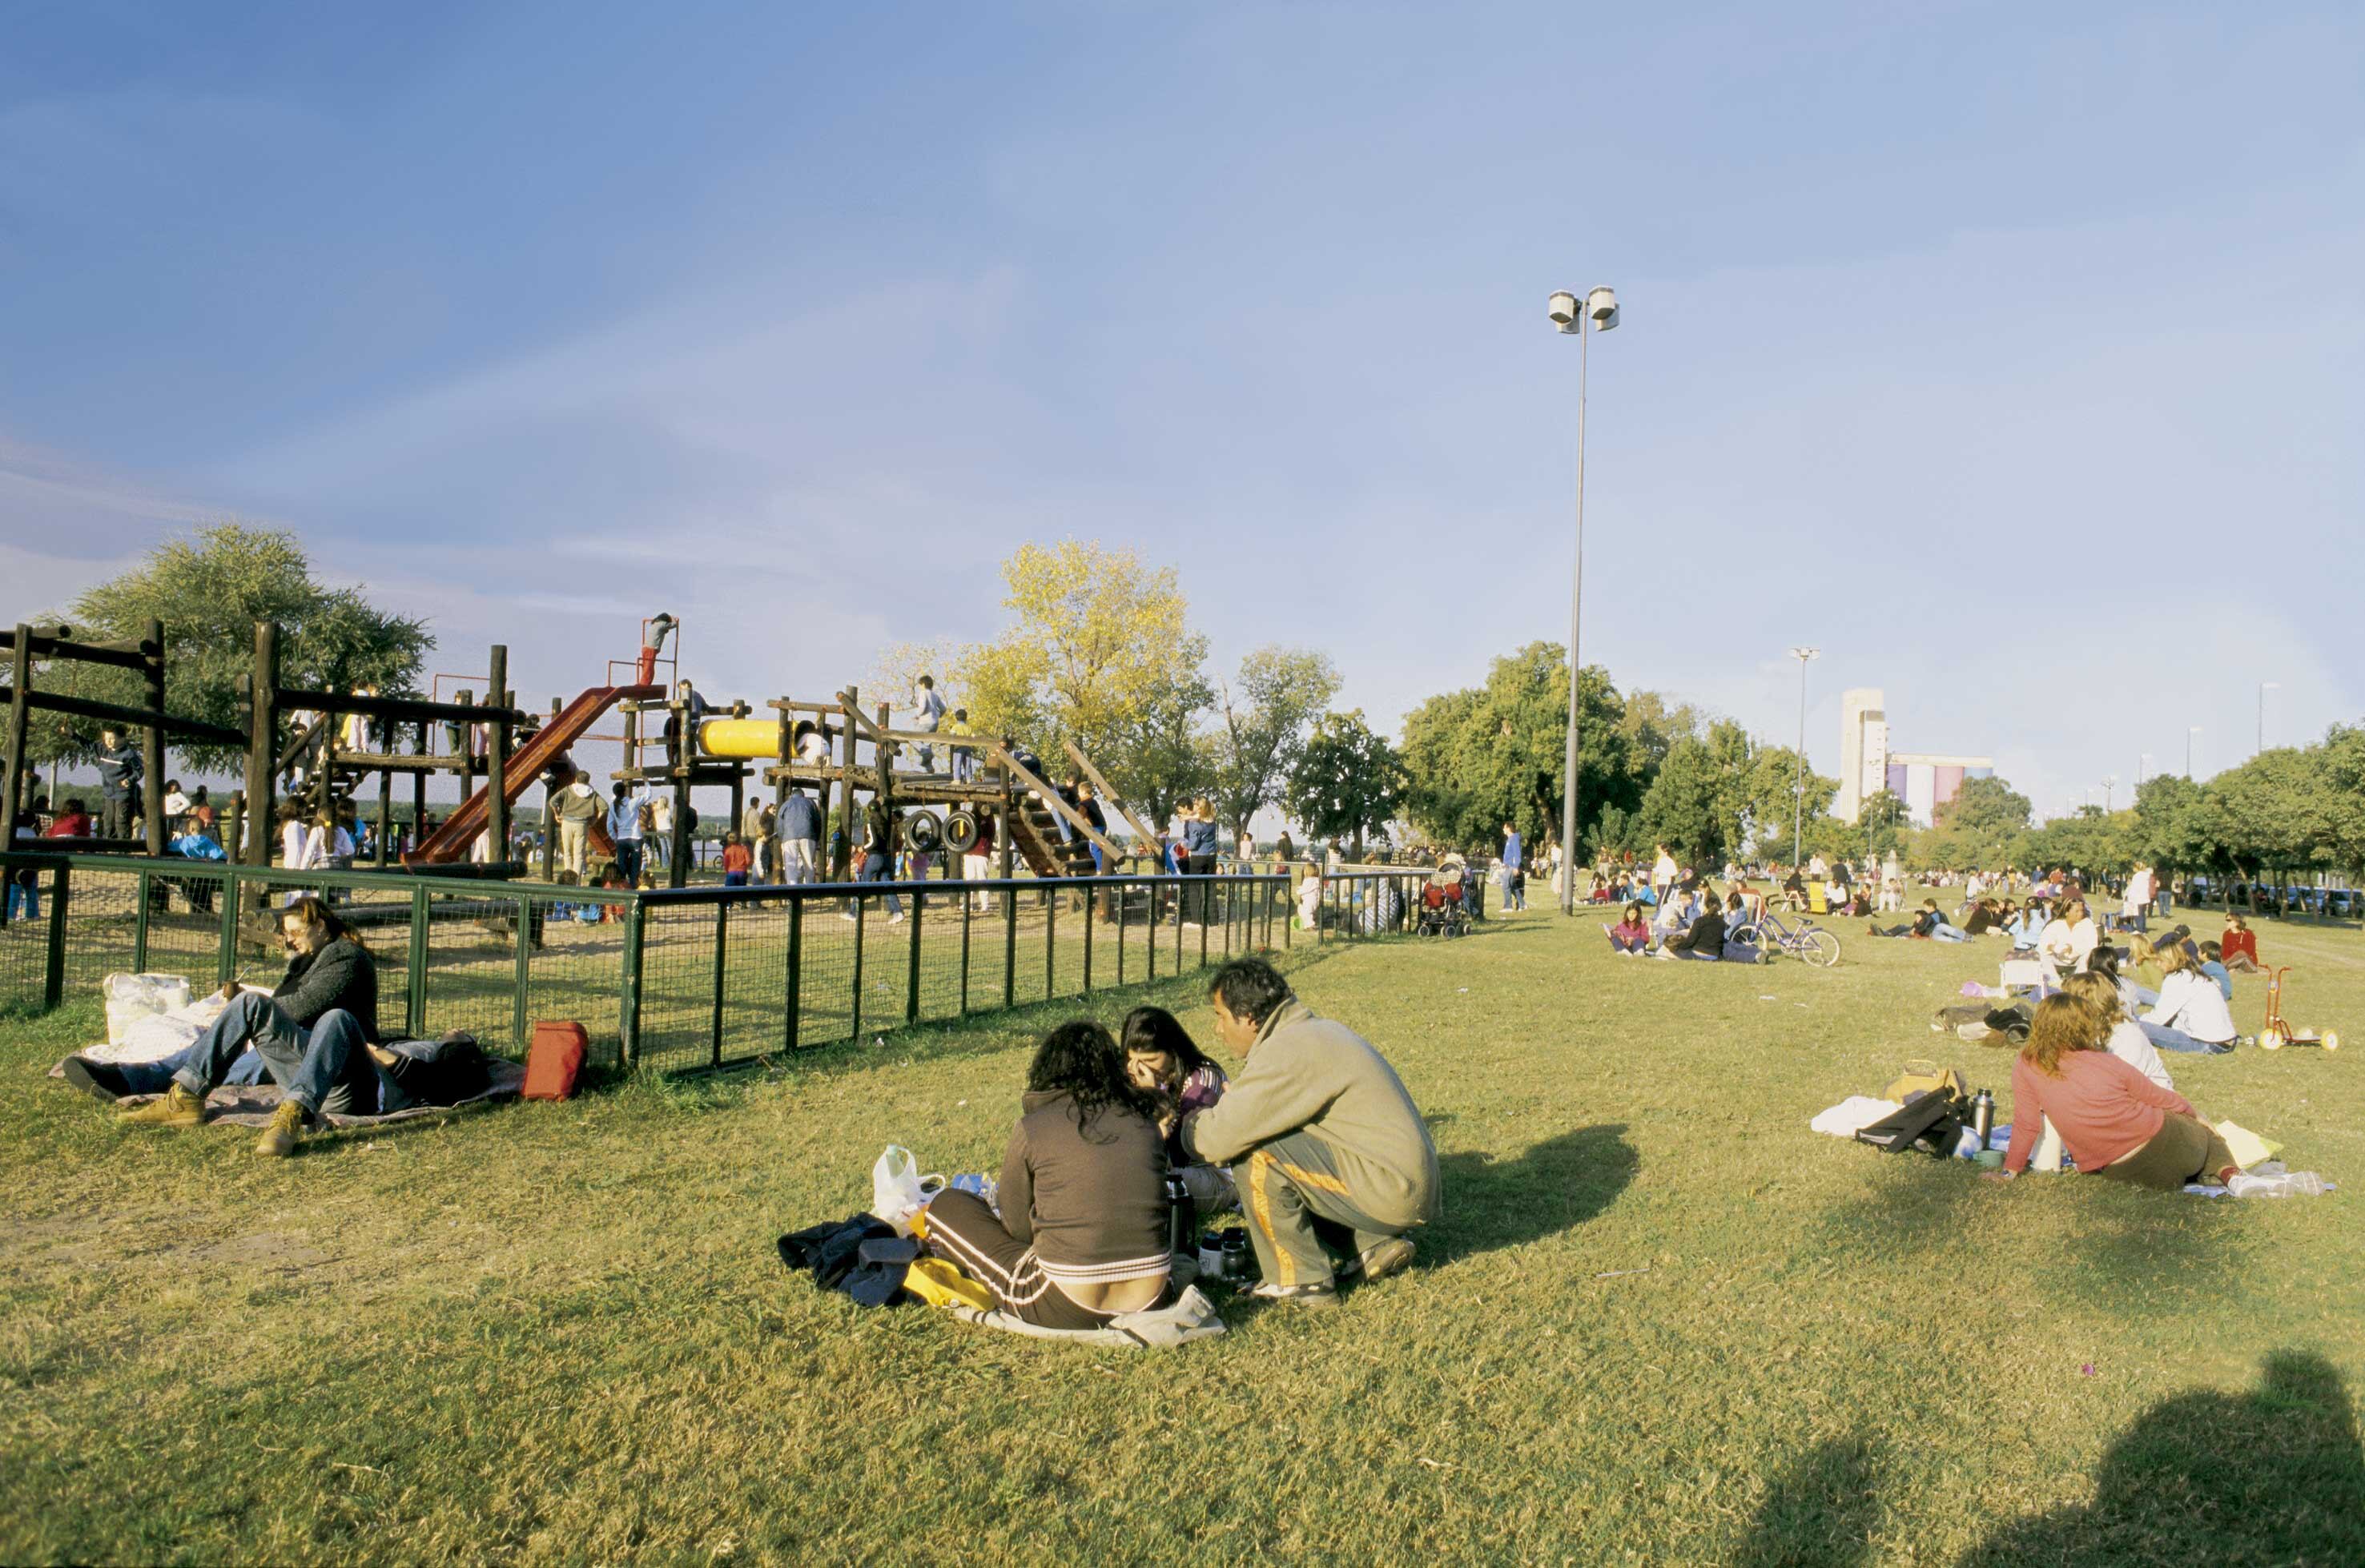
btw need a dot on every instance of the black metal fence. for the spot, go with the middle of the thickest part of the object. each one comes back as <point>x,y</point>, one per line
<point>686,979</point>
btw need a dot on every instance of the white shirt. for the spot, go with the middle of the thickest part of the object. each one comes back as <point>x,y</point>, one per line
<point>2057,942</point>
<point>176,804</point>
<point>2190,1002</point>
<point>1662,870</point>
<point>2133,1046</point>
<point>2082,942</point>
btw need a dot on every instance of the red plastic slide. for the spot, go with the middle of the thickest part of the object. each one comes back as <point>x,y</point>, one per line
<point>451,841</point>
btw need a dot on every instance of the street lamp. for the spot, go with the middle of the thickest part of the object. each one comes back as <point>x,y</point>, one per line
<point>2187,749</point>
<point>2265,686</point>
<point>2110,783</point>
<point>1600,308</point>
<point>1799,790</point>
<point>2143,770</point>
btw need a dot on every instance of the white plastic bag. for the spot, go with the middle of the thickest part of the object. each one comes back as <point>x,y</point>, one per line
<point>898,1191</point>
<point>131,997</point>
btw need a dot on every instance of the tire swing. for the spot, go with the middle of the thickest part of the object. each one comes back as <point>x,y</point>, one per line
<point>922,833</point>
<point>960,830</point>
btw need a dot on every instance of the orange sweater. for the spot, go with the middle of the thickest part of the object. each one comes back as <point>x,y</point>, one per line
<point>2103,1109</point>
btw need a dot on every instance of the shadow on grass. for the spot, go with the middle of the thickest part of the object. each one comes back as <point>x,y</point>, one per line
<point>1819,1510</point>
<point>2274,1475</point>
<point>1557,1185</point>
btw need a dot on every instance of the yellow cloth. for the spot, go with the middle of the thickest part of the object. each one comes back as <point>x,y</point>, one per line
<point>939,1283</point>
<point>2248,1148</point>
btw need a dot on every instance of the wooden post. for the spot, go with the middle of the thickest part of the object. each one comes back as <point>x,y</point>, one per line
<point>882,763</point>
<point>261,741</point>
<point>233,839</point>
<point>850,705</point>
<point>497,760</point>
<point>419,785</point>
<point>385,802</point>
<point>21,674</point>
<point>467,749</point>
<point>680,759</point>
<point>151,743</point>
<point>1001,811</point>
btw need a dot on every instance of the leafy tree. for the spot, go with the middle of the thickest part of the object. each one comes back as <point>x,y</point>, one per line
<point>2343,767</point>
<point>1348,780</point>
<point>1491,754</point>
<point>1983,825</point>
<point>1653,727</point>
<point>1100,652</point>
<point>2175,826</point>
<point>1686,806</point>
<point>209,591</point>
<point>1265,714</point>
<point>2276,813</point>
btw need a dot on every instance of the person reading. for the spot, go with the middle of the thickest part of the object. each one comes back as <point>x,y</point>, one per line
<point>1081,1236</point>
<point>1325,1144</point>
<point>310,1033</point>
<point>2115,1123</point>
<point>1631,933</point>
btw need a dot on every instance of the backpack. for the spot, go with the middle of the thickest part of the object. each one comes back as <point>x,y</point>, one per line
<point>1925,1077</point>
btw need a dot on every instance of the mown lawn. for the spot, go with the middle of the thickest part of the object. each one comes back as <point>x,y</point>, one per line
<point>1660,1321</point>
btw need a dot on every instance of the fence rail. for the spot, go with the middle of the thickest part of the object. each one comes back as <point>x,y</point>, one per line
<point>684,980</point>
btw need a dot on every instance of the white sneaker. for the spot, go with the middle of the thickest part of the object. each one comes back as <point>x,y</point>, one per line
<point>846,914</point>
<point>894,920</point>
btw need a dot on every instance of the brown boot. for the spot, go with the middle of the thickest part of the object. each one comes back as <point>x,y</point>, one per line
<point>178,1108</point>
<point>286,1131</point>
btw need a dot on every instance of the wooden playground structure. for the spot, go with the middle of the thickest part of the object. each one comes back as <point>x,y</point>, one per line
<point>329,743</point>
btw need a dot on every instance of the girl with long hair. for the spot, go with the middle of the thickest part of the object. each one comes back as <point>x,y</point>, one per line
<point>2115,1123</point>
<point>1081,1236</point>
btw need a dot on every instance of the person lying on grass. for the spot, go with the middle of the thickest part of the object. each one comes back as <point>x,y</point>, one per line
<point>1632,932</point>
<point>1081,1236</point>
<point>1925,924</point>
<point>1161,1058</point>
<point>1327,1148</point>
<point>1703,943</point>
<point>2115,1123</point>
<point>309,1031</point>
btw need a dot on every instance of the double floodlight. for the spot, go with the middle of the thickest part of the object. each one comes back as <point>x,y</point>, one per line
<point>1601,305</point>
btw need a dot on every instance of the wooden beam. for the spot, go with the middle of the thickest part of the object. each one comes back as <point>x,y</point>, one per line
<point>1076,819</point>
<point>1084,765</point>
<point>57,643</point>
<point>402,708</point>
<point>132,718</point>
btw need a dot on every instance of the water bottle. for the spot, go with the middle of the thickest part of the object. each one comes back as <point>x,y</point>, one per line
<point>1237,1264</point>
<point>1983,1115</point>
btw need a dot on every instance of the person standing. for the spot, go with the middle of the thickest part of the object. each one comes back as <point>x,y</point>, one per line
<point>928,715</point>
<point>118,768</point>
<point>1513,898</point>
<point>1662,874</point>
<point>1199,851</point>
<point>976,861</point>
<point>575,807</point>
<point>964,757</point>
<point>624,829</point>
<point>800,824</point>
<point>878,859</point>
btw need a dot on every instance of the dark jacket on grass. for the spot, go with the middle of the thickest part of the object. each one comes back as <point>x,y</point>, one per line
<point>340,975</point>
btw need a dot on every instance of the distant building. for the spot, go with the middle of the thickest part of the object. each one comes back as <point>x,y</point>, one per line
<point>1922,781</point>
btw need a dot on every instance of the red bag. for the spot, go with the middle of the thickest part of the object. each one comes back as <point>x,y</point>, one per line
<point>554,1060</point>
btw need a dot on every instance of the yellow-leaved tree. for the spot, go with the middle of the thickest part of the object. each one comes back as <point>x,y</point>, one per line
<point>1100,652</point>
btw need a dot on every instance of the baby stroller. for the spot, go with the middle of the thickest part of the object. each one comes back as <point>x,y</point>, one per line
<point>1443,910</point>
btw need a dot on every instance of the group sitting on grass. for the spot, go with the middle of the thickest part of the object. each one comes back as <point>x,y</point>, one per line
<point>2115,1121</point>
<point>1316,1132</point>
<point>1698,926</point>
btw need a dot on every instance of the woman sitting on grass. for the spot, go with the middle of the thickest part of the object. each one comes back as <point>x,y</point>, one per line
<point>2213,964</point>
<point>2115,1123</point>
<point>2240,945</point>
<point>1161,1058</point>
<point>1081,1237</point>
<point>2126,1039</point>
<point>1632,932</point>
<point>2191,1014</point>
<point>1704,942</point>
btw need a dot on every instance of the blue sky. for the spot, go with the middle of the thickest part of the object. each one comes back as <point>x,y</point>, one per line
<point>2010,355</point>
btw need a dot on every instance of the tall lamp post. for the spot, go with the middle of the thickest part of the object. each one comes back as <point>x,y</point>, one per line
<point>2110,786</point>
<point>1799,788</point>
<point>1600,309</point>
<point>2143,770</point>
<point>2265,686</point>
<point>2187,749</point>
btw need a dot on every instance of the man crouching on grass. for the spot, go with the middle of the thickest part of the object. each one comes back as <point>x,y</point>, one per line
<point>1321,1137</point>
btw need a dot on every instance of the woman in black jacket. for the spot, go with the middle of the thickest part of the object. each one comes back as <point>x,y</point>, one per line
<point>1704,943</point>
<point>311,1032</point>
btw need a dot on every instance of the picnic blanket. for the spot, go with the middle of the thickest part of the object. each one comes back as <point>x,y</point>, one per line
<point>251,1104</point>
<point>1188,1317</point>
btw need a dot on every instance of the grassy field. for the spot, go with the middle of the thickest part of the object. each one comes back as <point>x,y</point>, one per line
<point>1660,1320</point>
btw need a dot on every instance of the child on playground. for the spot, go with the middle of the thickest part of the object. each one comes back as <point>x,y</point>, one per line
<point>964,757</point>
<point>737,860</point>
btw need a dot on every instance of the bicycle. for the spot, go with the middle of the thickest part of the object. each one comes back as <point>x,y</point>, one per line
<point>1808,942</point>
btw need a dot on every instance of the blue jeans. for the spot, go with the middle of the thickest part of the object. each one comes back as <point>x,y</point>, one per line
<point>323,1070</point>
<point>155,1077</point>
<point>628,859</point>
<point>1950,933</point>
<point>878,868</point>
<point>24,899</point>
<point>2168,1040</point>
<point>1686,954</point>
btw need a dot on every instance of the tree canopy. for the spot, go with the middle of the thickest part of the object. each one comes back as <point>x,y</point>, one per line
<point>210,590</point>
<point>1348,780</point>
<point>1261,728</point>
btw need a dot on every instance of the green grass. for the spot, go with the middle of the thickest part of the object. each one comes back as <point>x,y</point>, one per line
<point>1660,1320</point>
